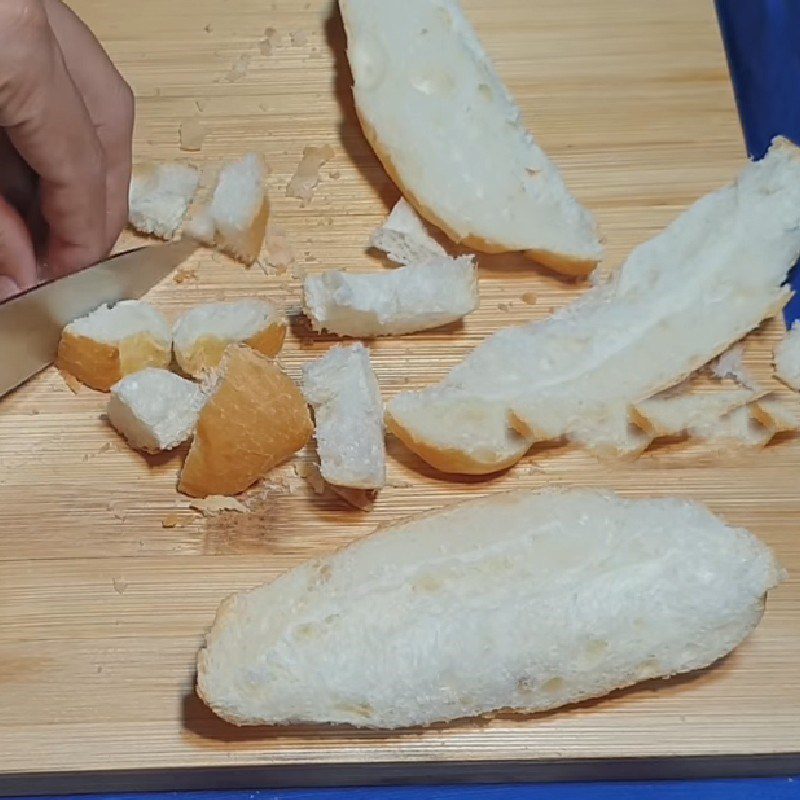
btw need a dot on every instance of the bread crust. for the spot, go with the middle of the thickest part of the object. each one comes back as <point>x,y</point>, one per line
<point>246,247</point>
<point>255,419</point>
<point>450,460</point>
<point>207,351</point>
<point>100,365</point>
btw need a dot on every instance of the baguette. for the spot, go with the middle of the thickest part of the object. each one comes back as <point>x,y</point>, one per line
<point>787,358</point>
<point>519,601</point>
<point>451,136</point>
<point>155,409</point>
<point>398,301</point>
<point>159,197</point>
<point>679,300</point>
<point>201,335</point>
<point>343,391</point>
<point>254,419</point>
<point>111,342</point>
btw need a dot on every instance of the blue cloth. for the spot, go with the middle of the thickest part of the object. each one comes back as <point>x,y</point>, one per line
<point>762,40</point>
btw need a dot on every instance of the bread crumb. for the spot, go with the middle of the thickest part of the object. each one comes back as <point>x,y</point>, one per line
<point>731,365</point>
<point>529,298</point>
<point>185,274</point>
<point>216,504</point>
<point>306,177</point>
<point>119,584</point>
<point>269,42</point>
<point>104,448</point>
<point>192,134</point>
<point>200,105</point>
<point>279,251</point>
<point>239,69</point>
<point>208,28</point>
<point>73,384</point>
<point>175,520</point>
<point>504,306</point>
<point>335,174</point>
<point>298,38</point>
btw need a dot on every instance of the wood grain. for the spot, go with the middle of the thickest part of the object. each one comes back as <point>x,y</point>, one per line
<point>102,609</point>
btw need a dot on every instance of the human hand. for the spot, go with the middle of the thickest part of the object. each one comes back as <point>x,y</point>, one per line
<point>66,117</point>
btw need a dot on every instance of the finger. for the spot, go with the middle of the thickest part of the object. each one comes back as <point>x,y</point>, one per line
<point>17,259</point>
<point>17,179</point>
<point>47,122</point>
<point>7,287</point>
<point>108,99</point>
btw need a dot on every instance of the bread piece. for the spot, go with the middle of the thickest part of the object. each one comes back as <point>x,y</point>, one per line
<point>255,418</point>
<point>787,358</point>
<point>343,391</point>
<point>675,414</point>
<point>739,428</point>
<point>452,138</point>
<point>775,414</point>
<point>518,601</point>
<point>111,342</point>
<point>397,301</point>
<point>679,300</point>
<point>159,197</point>
<point>404,239</point>
<point>202,333</point>
<point>155,409</point>
<point>731,365</point>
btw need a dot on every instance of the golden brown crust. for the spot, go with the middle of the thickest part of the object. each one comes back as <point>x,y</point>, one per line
<point>556,261</point>
<point>446,459</point>
<point>255,419</point>
<point>101,365</point>
<point>207,351</point>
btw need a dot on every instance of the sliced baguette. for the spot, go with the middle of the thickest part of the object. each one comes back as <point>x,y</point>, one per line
<point>680,300</point>
<point>404,238</point>
<point>451,136</point>
<point>254,419</point>
<point>517,601</point>
<point>111,342</point>
<point>787,358</point>
<point>159,197</point>
<point>343,391</point>
<point>398,301</point>
<point>202,334</point>
<point>155,409</point>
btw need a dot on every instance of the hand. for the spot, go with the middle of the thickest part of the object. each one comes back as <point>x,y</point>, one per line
<point>66,122</point>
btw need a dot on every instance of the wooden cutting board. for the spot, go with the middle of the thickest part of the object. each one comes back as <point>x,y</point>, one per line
<point>102,609</point>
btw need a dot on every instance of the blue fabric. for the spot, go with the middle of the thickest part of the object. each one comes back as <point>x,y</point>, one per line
<point>762,40</point>
<point>755,789</point>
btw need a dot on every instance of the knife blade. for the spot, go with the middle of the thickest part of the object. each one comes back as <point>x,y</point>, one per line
<point>31,322</point>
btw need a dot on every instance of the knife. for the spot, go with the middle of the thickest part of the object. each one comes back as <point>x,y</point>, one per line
<point>31,322</point>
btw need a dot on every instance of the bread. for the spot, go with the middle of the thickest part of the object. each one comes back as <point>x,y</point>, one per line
<point>201,335</point>
<point>787,358</point>
<point>675,414</point>
<point>519,601</point>
<point>254,419</point>
<point>159,197</point>
<point>451,136</point>
<point>155,409</point>
<point>111,342</point>
<point>237,216</point>
<point>679,300</point>
<point>775,415</point>
<point>738,428</point>
<point>403,300</point>
<point>343,391</point>
<point>404,238</point>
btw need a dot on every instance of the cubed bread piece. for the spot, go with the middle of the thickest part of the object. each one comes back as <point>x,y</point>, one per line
<point>159,197</point>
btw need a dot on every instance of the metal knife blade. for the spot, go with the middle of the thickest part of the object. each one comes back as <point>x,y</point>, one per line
<point>31,323</point>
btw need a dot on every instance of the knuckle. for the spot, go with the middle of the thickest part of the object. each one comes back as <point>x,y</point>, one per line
<point>23,20</point>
